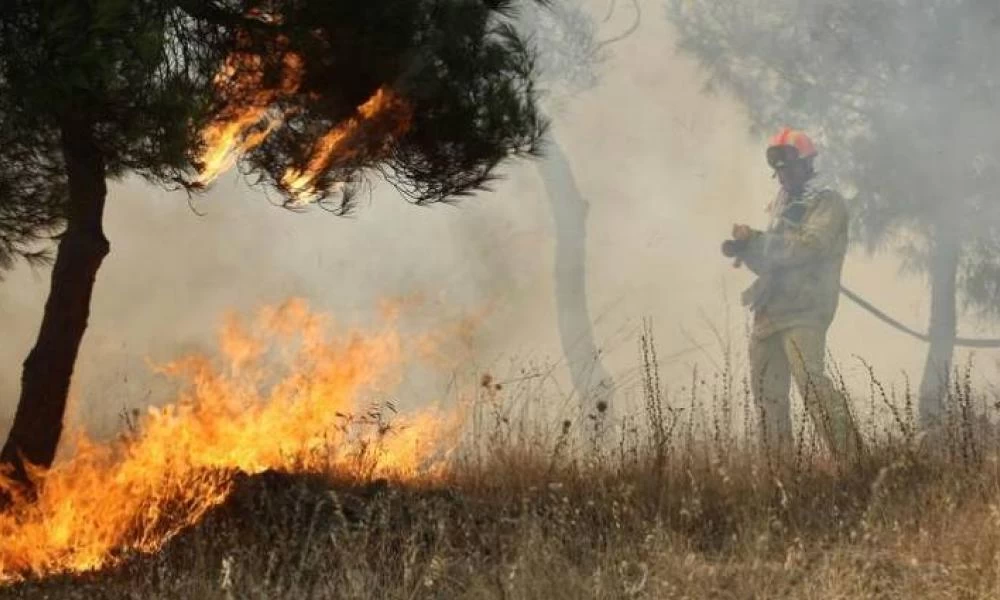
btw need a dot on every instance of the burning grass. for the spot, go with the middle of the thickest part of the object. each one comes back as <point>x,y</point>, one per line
<point>673,503</point>
<point>287,396</point>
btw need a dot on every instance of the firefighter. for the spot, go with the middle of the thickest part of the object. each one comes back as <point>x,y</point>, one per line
<point>798,261</point>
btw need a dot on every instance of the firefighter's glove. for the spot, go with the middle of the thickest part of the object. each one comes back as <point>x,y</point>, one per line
<point>741,233</point>
<point>731,248</point>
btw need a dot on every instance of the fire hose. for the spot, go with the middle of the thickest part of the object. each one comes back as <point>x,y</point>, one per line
<point>882,316</point>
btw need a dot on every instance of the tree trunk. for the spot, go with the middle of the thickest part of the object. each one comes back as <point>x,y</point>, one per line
<point>45,381</point>
<point>591,381</point>
<point>945,254</point>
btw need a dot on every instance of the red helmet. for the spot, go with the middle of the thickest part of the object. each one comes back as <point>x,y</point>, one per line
<point>788,145</point>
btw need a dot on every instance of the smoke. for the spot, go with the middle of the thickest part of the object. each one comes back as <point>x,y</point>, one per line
<point>666,169</point>
<point>899,94</point>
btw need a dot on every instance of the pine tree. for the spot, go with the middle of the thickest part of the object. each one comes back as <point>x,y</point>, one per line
<point>571,51</point>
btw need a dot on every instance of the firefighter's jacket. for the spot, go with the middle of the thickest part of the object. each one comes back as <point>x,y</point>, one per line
<point>798,261</point>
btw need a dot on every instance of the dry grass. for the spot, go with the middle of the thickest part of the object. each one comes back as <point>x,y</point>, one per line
<point>676,502</point>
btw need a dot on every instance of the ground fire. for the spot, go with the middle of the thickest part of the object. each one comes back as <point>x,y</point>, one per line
<point>238,414</point>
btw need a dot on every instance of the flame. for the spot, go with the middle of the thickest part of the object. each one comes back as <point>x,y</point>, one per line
<point>107,500</point>
<point>384,114</point>
<point>250,115</point>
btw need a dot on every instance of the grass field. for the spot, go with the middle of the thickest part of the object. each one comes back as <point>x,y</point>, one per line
<point>662,504</point>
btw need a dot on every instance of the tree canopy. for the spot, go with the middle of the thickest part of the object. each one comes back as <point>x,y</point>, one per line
<point>154,77</point>
<point>32,199</point>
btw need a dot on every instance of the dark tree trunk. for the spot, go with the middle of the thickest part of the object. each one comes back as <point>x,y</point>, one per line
<point>945,254</point>
<point>45,381</point>
<point>591,380</point>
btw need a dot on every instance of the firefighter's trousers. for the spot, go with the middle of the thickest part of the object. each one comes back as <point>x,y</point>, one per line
<point>798,353</point>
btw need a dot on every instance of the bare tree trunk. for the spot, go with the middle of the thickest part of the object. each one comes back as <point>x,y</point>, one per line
<point>591,381</point>
<point>945,254</point>
<point>45,381</point>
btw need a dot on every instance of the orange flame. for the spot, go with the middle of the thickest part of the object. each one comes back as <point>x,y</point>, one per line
<point>250,116</point>
<point>107,500</point>
<point>384,114</point>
